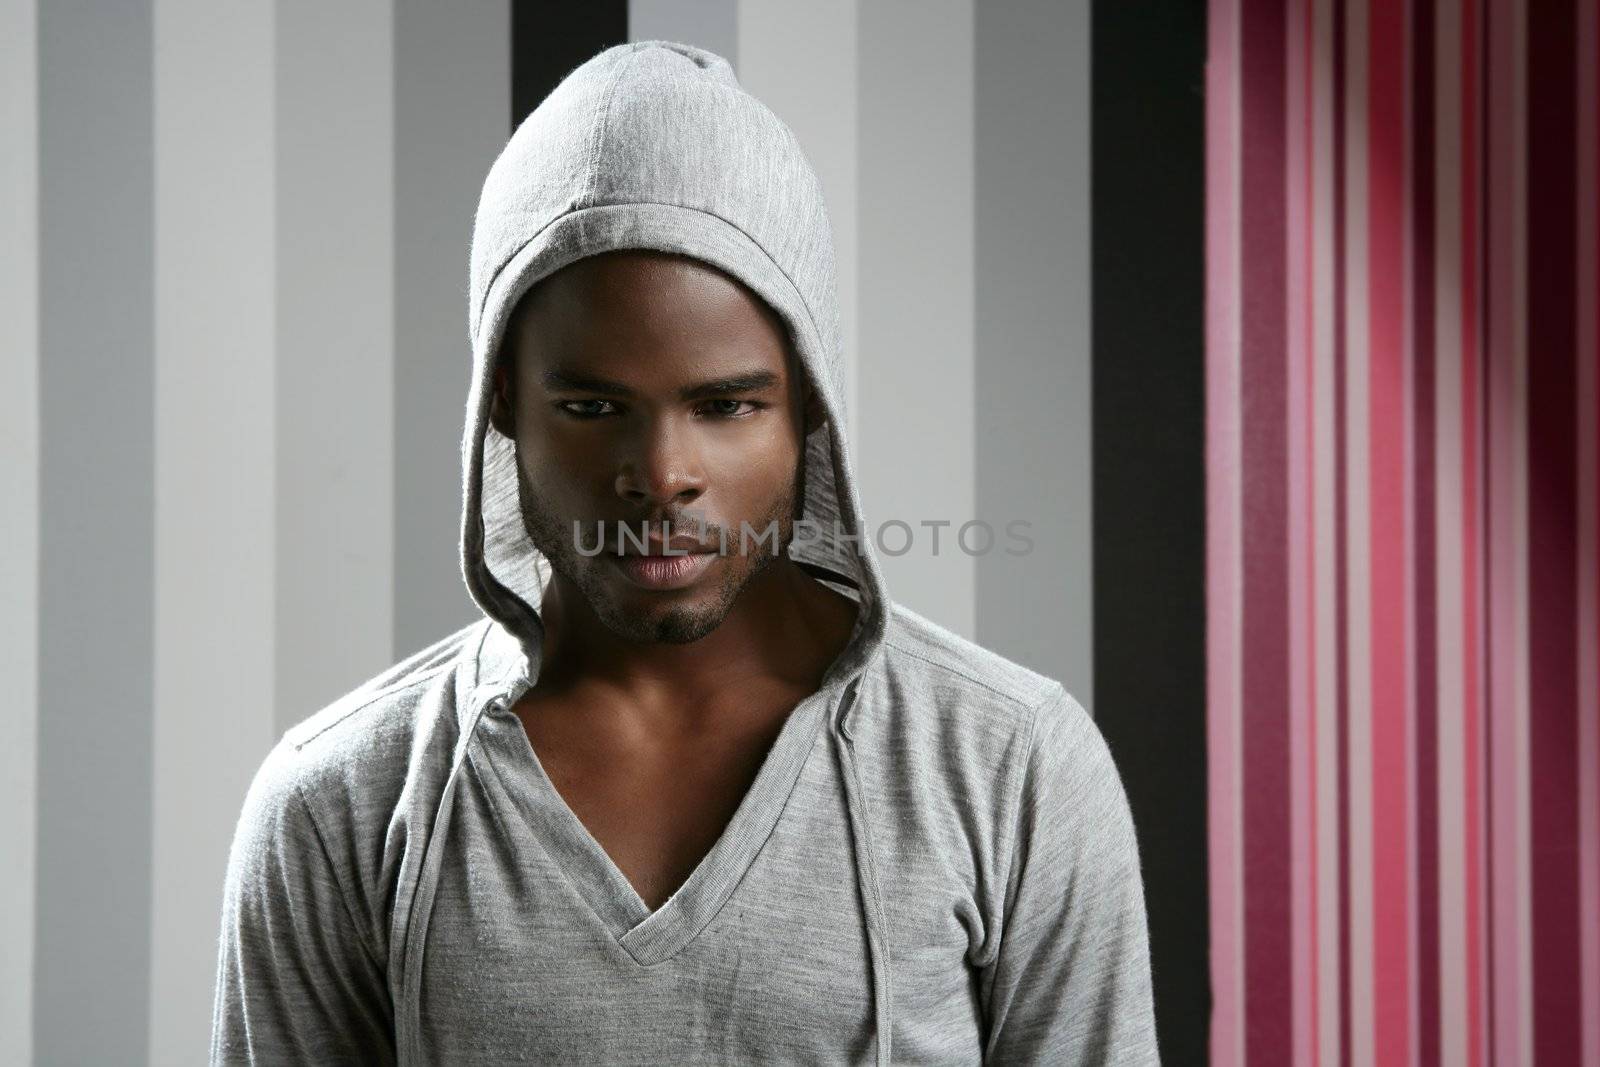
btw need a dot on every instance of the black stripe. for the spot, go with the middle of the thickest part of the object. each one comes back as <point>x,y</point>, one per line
<point>549,39</point>
<point>1149,473</point>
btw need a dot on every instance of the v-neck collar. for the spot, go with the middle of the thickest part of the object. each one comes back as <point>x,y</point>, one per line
<point>648,936</point>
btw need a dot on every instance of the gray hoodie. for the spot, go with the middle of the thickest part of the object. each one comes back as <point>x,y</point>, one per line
<point>936,860</point>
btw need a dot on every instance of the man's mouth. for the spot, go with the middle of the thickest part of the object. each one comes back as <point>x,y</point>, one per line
<point>663,572</point>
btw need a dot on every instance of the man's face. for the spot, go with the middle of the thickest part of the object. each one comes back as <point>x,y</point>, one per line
<point>617,383</point>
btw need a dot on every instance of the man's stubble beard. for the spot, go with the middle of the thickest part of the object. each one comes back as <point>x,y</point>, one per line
<point>553,537</point>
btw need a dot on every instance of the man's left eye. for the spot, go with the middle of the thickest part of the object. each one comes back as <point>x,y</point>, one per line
<point>728,408</point>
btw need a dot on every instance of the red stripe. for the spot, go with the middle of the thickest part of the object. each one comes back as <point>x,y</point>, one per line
<point>1386,474</point>
<point>1552,522</point>
<point>1425,599</point>
<point>1264,475</point>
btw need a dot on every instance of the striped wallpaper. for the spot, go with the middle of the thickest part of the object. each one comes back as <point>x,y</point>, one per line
<point>235,267</point>
<point>1403,520</point>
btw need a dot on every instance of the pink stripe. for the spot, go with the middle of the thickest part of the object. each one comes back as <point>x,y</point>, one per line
<point>1222,541</point>
<point>1472,576</point>
<point>1387,530</point>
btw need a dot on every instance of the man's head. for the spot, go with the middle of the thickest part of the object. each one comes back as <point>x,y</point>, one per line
<point>644,388</point>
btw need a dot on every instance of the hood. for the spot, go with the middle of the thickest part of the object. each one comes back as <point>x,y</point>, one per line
<point>655,145</point>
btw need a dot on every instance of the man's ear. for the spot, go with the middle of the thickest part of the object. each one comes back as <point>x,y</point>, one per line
<point>501,408</point>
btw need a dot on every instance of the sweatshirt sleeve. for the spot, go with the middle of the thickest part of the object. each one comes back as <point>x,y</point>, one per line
<point>1070,982</point>
<point>296,983</point>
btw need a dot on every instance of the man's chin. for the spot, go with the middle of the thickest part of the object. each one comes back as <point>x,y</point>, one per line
<point>645,616</point>
<point>675,624</point>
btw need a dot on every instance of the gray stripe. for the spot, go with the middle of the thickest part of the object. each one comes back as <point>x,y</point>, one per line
<point>916,299</point>
<point>712,24</point>
<point>214,194</point>
<point>1033,432</point>
<point>818,100</point>
<point>335,324</point>
<point>452,82</point>
<point>19,519</point>
<point>96,561</point>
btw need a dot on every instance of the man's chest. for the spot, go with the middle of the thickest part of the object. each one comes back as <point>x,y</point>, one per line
<point>540,950</point>
<point>656,804</point>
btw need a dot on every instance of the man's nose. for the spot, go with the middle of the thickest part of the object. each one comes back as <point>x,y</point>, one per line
<point>661,466</point>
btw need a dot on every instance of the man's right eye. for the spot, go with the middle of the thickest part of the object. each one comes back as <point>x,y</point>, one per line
<point>571,407</point>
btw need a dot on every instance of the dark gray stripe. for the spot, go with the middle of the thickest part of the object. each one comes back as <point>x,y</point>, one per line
<point>452,81</point>
<point>1032,434</point>
<point>335,339</point>
<point>712,24</point>
<point>96,575</point>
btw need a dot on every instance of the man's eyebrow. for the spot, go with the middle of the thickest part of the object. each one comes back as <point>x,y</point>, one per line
<point>747,382</point>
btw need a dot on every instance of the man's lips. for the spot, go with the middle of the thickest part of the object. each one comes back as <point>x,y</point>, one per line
<point>663,572</point>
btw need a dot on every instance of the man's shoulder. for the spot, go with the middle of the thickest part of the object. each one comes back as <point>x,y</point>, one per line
<point>966,705</point>
<point>936,663</point>
<point>360,747</point>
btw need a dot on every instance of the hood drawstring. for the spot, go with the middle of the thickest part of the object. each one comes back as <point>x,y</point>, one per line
<point>408,1017</point>
<point>878,957</point>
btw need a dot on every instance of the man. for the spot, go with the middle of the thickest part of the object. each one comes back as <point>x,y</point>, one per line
<point>695,790</point>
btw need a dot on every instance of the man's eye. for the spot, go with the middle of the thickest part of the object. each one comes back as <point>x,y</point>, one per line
<point>732,408</point>
<point>571,407</point>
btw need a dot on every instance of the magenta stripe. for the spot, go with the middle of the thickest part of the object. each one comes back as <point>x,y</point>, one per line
<point>1426,601</point>
<point>1472,576</point>
<point>1264,475</point>
<point>1552,522</point>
